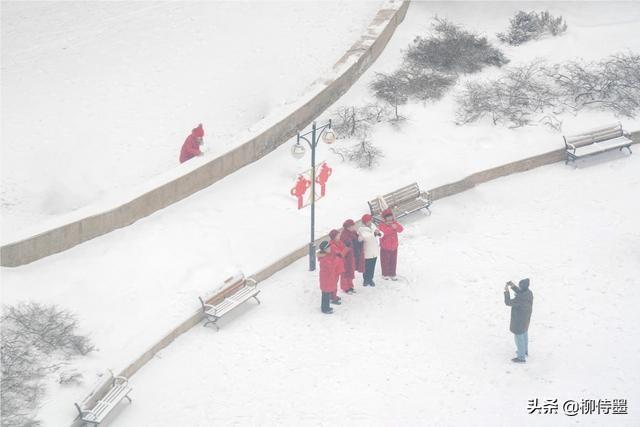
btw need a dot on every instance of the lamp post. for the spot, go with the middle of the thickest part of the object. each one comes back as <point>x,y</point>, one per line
<point>298,152</point>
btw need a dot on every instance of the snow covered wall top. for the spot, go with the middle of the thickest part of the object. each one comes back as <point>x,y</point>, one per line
<point>124,209</point>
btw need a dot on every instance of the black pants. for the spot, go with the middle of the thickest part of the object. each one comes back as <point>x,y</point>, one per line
<point>325,301</point>
<point>369,269</point>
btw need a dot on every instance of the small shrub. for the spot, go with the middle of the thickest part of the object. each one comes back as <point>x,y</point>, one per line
<point>363,154</point>
<point>452,50</point>
<point>525,26</point>
<point>349,122</point>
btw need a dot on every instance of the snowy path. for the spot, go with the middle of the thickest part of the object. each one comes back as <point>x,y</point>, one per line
<point>435,350</point>
<point>98,97</point>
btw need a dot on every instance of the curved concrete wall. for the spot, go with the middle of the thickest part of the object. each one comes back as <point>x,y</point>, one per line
<point>345,72</point>
<point>436,193</point>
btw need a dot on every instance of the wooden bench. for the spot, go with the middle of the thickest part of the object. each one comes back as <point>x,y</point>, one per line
<point>97,413</point>
<point>596,141</point>
<point>402,202</point>
<point>238,290</point>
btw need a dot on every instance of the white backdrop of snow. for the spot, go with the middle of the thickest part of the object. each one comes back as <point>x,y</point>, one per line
<point>145,278</point>
<point>435,349</point>
<point>98,97</point>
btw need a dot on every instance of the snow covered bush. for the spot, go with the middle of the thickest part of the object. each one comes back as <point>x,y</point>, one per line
<point>525,26</point>
<point>453,50</point>
<point>396,89</point>
<point>392,89</point>
<point>514,100</point>
<point>35,338</point>
<point>349,122</point>
<point>428,84</point>
<point>363,154</point>
<point>612,84</point>
<point>537,93</point>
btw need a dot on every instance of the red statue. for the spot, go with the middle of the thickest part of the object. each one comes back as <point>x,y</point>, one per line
<point>301,187</point>
<point>323,177</point>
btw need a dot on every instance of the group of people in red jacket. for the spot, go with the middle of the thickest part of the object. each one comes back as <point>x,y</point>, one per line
<point>352,249</point>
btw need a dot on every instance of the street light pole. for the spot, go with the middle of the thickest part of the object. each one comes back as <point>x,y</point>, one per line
<point>312,244</point>
<point>315,137</point>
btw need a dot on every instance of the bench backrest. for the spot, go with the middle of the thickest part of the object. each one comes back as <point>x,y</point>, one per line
<point>395,198</point>
<point>229,287</point>
<point>600,134</point>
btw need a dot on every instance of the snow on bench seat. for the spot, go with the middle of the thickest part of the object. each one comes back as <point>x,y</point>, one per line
<point>596,141</point>
<point>119,390</point>
<point>402,202</point>
<point>239,290</point>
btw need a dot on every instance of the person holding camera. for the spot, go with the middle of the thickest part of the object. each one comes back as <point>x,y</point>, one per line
<point>521,307</point>
<point>389,229</point>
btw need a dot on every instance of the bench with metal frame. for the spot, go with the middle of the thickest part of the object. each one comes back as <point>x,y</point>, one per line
<point>596,141</point>
<point>98,412</point>
<point>239,290</point>
<point>402,202</point>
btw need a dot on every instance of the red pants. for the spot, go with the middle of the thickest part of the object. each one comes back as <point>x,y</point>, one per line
<point>388,262</point>
<point>345,282</point>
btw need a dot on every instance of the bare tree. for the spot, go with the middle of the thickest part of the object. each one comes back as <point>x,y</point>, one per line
<point>612,83</point>
<point>537,93</point>
<point>363,154</point>
<point>514,99</point>
<point>352,121</point>
<point>34,336</point>
<point>392,88</point>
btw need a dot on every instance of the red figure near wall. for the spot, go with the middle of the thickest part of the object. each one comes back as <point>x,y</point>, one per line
<point>323,177</point>
<point>301,187</point>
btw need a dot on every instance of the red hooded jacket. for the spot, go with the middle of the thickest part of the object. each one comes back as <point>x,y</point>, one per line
<point>389,240</point>
<point>191,148</point>
<point>328,272</point>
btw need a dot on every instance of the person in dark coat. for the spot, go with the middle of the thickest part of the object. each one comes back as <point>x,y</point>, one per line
<point>521,307</point>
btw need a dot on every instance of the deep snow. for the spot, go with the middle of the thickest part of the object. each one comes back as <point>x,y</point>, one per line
<point>435,348</point>
<point>98,97</point>
<point>145,278</point>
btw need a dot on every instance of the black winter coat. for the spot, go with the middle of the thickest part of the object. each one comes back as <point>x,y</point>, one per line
<point>521,307</point>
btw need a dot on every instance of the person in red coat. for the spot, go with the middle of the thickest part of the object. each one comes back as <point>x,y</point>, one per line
<point>349,237</point>
<point>340,251</point>
<point>191,146</point>
<point>389,244</point>
<point>328,276</point>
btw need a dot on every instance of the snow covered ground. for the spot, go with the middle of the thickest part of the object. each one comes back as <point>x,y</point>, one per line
<point>435,349</point>
<point>132,286</point>
<point>98,97</point>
